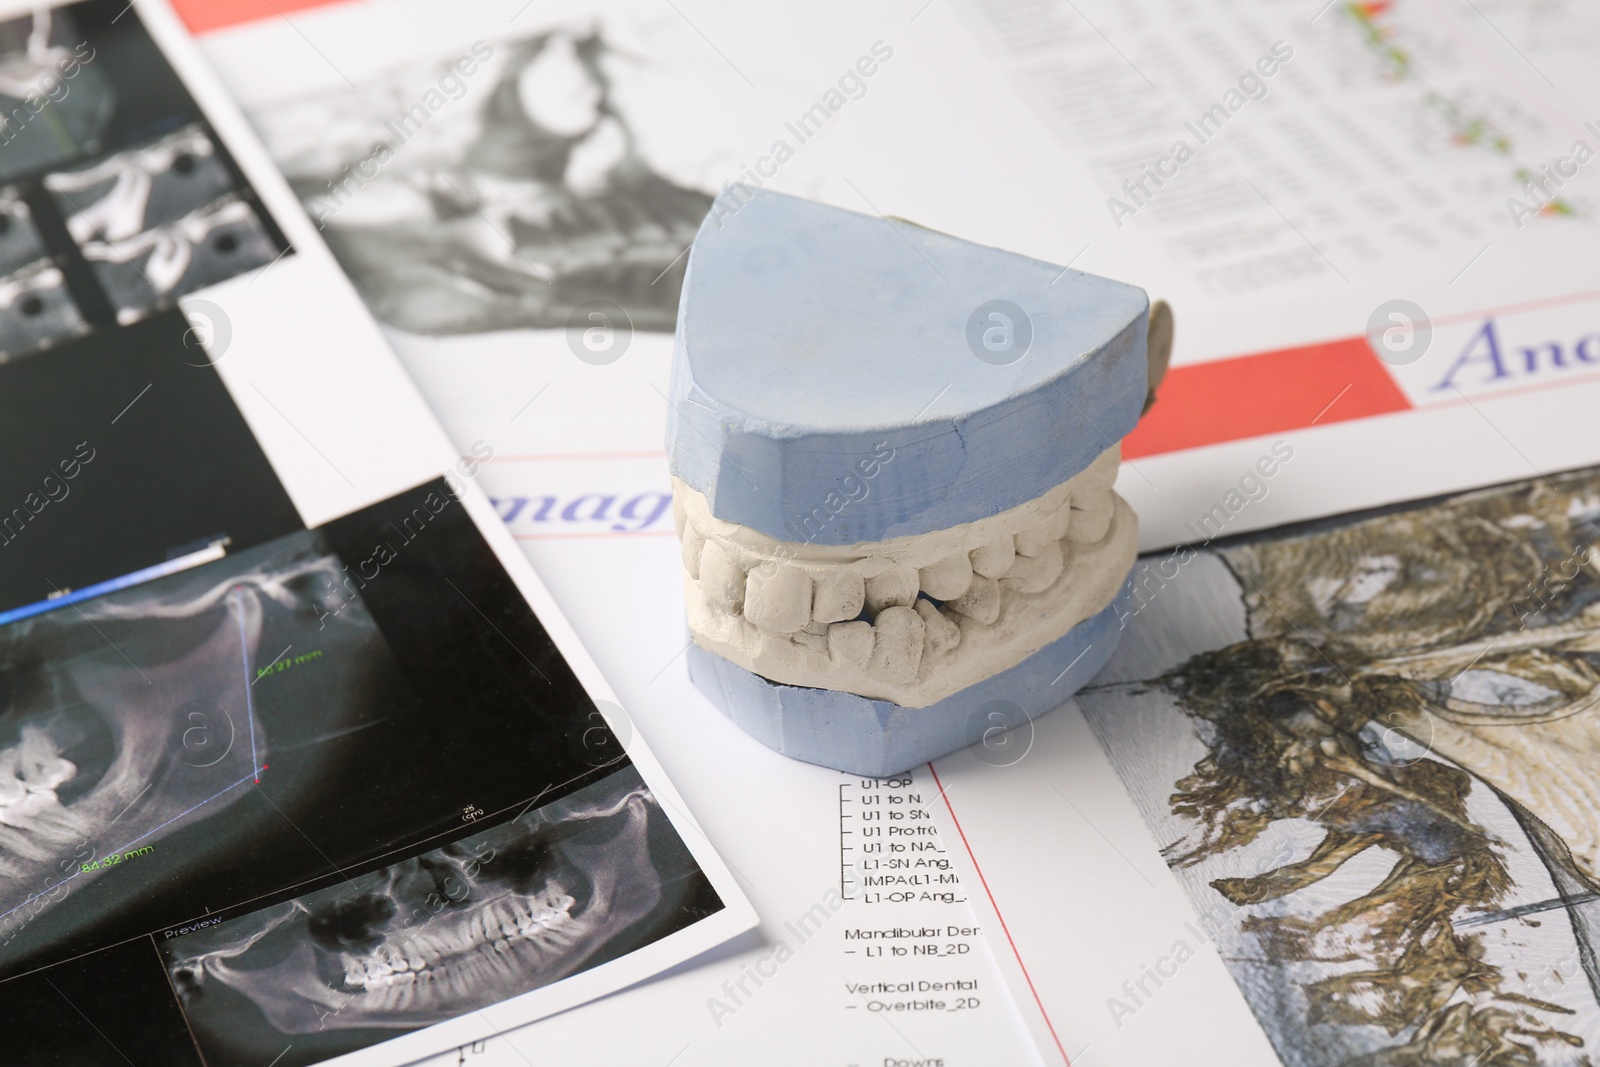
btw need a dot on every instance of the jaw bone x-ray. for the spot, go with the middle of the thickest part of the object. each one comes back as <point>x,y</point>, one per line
<point>500,200</point>
<point>160,220</point>
<point>502,912</point>
<point>128,719</point>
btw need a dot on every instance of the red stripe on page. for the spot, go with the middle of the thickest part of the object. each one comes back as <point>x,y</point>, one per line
<point>1025,975</point>
<point>1266,393</point>
<point>202,16</point>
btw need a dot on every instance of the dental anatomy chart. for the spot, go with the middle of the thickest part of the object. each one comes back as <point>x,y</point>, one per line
<point>299,762</point>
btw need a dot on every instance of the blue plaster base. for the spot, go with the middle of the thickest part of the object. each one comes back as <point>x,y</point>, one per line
<point>876,737</point>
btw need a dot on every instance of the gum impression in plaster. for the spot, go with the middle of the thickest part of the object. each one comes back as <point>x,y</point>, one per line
<point>909,619</point>
<point>476,922</point>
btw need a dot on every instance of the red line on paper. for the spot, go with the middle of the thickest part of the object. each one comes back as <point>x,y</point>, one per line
<point>992,903</point>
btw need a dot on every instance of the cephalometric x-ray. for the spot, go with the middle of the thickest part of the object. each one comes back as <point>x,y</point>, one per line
<point>526,196</point>
<point>490,916</point>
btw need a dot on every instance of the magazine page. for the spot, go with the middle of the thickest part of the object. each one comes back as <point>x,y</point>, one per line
<point>302,764</point>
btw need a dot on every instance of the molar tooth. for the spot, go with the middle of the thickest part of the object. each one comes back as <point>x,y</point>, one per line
<point>1034,574</point>
<point>993,558</point>
<point>679,518</point>
<point>693,545</point>
<point>778,597</point>
<point>898,650</point>
<point>721,579</point>
<point>895,586</point>
<point>980,603</point>
<point>850,642</point>
<point>1091,516</point>
<point>839,596</point>
<point>942,634</point>
<point>948,578</point>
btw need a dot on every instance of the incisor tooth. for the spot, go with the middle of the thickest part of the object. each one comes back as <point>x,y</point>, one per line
<point>850,642</point>
<point>993,558</point>
<point>839,596</point>
<point>981,602</point>
<point>948,578</point>
<point>778,597</point>
<point>721,579</point>
<point>693,545</point>
<point>895,586</point>
<point>1091,516</point>
<point>1034,574</point>
<point>898,649</point>
<point>942,634</point>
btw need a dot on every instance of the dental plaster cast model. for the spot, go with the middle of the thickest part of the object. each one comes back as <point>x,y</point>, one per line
<point>892,456</point>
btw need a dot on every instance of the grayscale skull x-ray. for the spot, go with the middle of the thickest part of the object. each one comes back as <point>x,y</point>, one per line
<point>488,917</point>
<point>132,726</point>
<point>500,201</point>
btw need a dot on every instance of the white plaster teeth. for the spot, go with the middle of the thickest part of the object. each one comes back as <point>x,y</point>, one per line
<point>814,641</point>
<point>778,598</point>
<point>897,652</point>
<point>850,643</point>
<point>948,578</point>
<point>993,558</point>
<point>680,517</point>
<point>893,587</point>
<point>693,545</point>
<point>966,600</point>
<point>941,634</point>
<point>1036,573</point>
<point>981,602</point>
<point>1036,540</point>
<point>1091,516</point>
<point>721,579</point>
<point>839,597</point>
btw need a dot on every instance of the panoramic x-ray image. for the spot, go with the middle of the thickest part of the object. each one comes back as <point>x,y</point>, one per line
<point>134,726</point>
<point>490,916</point>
